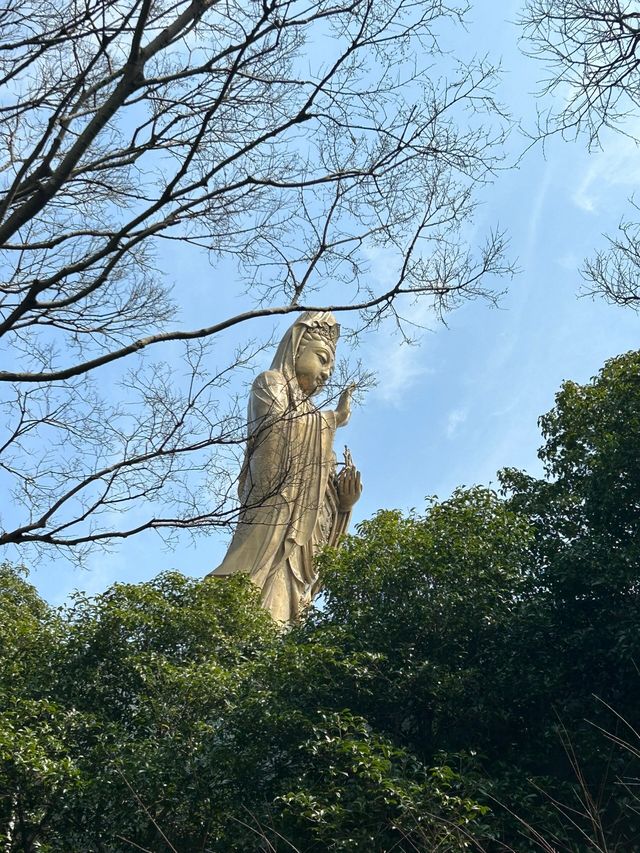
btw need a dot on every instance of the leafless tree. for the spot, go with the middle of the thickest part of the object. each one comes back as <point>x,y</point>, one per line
<point>591,49</point>
<point>614,272</point>
<point>289,140</point>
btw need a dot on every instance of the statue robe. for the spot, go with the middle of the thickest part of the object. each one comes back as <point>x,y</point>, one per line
<point>288,494</point>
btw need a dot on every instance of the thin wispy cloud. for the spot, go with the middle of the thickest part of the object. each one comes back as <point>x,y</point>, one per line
<point>618,165</point>
<point>536,210</point>
<point>570,261</point>
<point>454,420</point>
<point>398,366</point>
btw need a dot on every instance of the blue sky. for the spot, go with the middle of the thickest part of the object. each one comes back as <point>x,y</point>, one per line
<point>464,402</point>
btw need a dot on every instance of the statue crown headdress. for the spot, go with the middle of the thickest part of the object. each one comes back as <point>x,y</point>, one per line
<point>325,332</point>
<point>322,328</point>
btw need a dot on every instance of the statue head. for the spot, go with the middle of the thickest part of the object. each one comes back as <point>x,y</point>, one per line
<point>307,351</point>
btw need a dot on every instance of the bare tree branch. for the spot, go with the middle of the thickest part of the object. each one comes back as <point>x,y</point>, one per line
<point>591,49</point>
<point>292,142</point>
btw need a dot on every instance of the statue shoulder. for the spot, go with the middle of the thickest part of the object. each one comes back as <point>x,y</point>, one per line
<point>270,392</point>
<point>274,378</point>
<point>273,381</point>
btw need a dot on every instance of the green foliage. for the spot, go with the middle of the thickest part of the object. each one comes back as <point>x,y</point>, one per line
<point>431,596</point>
<point>359,792</point>
<point>176,712</point>
<point>34,758</point>
<point>440,698</point>
<point>587,551</point>
<point>588,513</point>
<point>582,629</point>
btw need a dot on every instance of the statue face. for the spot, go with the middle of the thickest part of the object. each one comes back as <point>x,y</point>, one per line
<point>314,365</point>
